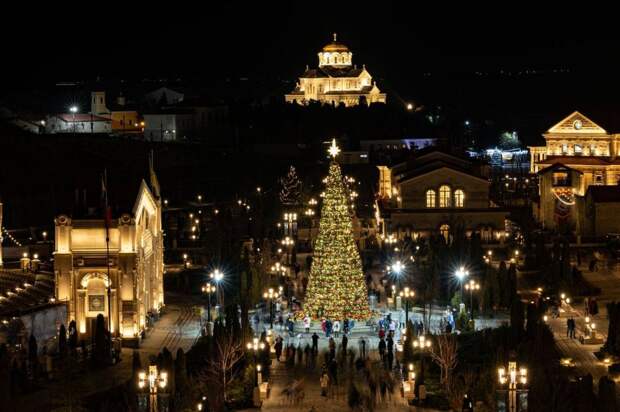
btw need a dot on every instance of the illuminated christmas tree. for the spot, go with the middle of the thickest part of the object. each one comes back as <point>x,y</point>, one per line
<point>336,286</point>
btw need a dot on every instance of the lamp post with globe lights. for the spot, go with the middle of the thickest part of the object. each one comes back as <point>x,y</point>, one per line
<point>288,242</point>
<point>217,276</point>
<point>461,273</point>
<point>407,294</point>
<point>513,383</point>
<point>271,295</point>
<point>254,347</point>
<point>423,344</point>
<point>209,289</point>
<point>472,286</point>
<point>155,381</point>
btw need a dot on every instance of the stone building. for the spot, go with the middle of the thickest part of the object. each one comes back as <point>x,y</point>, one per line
<point>578,154</point>
<point>122,280</point>
<point>435,192</point>
<point>337,80</point>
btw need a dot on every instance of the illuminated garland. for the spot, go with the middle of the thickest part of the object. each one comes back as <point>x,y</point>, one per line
<point>566,196</point>
<point>8,235</point>
<point>336,286</point>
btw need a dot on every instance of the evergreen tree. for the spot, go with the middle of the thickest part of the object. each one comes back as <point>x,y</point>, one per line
<point>516,319</point>
<point>180,372</point>
<point>607,400</point>
<point>290,192</point>
<point>5,376</point>
<point>337,286</point>
<point>62,340</point>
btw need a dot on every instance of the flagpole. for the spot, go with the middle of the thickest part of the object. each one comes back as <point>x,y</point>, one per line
<point>107,252</point>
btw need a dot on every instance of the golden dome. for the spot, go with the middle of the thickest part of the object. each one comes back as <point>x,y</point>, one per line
<point>334,46</point>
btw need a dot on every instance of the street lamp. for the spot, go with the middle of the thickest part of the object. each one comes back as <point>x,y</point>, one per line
<point>186,262</point>
<point>407,293</point>
<point>217,277</point>
<point>254,346</point>
<point>514,380</point>
<point>461,274</point>
<point>423,345</point>
<point>209,289</point>
<point>290,220</point>
<point>271,295</point>
<point>73,110</point>
<point>288,242</point>
<point>154,380</point>
<point>471,286</point>
<point>278,269</point>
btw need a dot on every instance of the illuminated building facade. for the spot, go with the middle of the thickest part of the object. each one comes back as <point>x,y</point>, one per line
<point>437,193</point>
<point>578,154</point>
<point>133,271</point>
<point>336,80</point>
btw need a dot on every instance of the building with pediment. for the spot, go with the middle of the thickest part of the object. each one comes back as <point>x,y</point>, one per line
<point>578,155</point>
<point>336,80</point>
<point>121,280</point>
<point>438,192</point>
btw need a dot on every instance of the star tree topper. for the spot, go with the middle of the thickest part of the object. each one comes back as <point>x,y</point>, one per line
<point>334,149</point>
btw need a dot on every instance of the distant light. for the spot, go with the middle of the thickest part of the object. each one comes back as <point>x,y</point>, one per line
<point>466,122</point>
<point>409,106</point>
<point>73,109</point>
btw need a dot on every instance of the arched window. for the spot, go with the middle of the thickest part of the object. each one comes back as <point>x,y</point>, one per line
<point>445,232</point>
<point>444,196</point>
<point>430,198</point>
<point>459,198</point>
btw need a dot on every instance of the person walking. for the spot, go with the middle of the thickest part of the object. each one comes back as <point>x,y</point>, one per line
<point>382,347</point>
<point>392,327</point>
<point>315,343</point>
<point>333,371</point>
<point>362,345</point>
<point>332,348</point>
<point>328,328</point>
<point>390,360</point>
<point>336,328</point>
<point>307,323</point>
<point>324,381</point>
<point>390,344</point>
<point>278,347</point>
<point>345,342</point>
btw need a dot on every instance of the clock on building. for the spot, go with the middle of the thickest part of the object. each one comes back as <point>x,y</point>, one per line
<point>577,124</point>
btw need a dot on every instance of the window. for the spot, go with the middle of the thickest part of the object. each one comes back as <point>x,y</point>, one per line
<point>598,178</point>
<point>430,198</point>
<point>578,149</point>
<point>445,232</point>
<point>459,198</point>
<point>444,196</point>
<point>564,148</point>
<point>561,179</point>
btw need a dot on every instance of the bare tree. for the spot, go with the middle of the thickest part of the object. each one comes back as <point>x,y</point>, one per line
<point>221,370</point>
<point>444,354</point>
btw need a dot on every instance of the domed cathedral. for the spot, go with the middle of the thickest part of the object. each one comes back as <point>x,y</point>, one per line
<point>337,80</point>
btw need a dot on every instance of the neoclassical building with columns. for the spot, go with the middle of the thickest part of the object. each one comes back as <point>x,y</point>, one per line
<point>579,155</point>
<point>337,80</point>
<point>123,279</point>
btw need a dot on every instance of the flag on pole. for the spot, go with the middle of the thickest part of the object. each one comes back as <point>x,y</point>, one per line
<point>107,212</point>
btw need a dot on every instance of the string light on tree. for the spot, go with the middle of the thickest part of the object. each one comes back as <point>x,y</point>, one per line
<point>337,286</point>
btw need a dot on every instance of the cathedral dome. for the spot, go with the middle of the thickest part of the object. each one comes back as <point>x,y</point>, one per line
<point>334,46</point>
<point>335,54</point>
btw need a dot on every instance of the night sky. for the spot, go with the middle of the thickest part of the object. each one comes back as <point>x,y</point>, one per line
<point>262,39</point>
